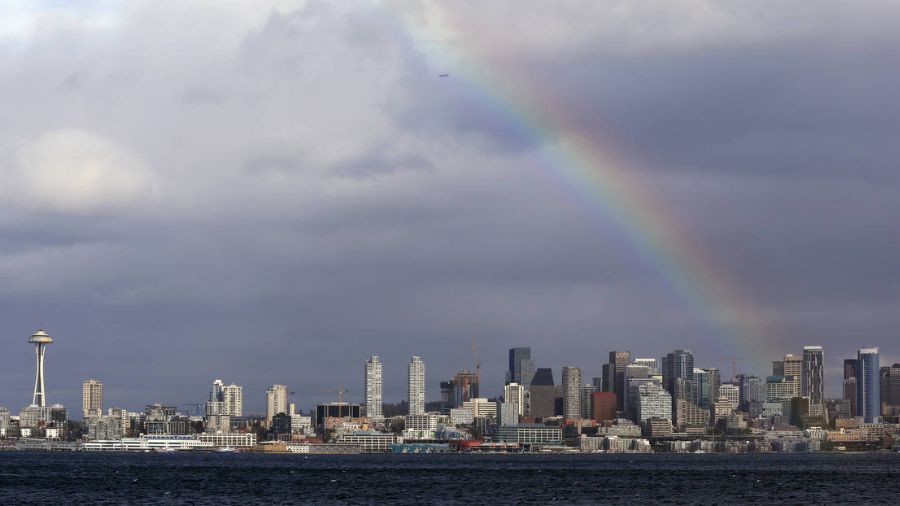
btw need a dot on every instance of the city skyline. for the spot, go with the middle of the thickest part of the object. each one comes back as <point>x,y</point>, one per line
<point>804,373</point>
<point>310,178</point>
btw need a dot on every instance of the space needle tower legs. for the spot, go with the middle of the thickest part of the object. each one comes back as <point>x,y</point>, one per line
<point>40,339</point>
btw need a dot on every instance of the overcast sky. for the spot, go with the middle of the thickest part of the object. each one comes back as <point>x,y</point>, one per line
<point>271,191</point>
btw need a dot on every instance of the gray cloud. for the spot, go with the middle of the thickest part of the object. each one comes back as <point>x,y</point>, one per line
<point>270,193</point>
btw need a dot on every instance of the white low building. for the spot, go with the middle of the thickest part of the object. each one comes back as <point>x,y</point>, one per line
<point>370,441</point>
<point>149,443</point>
<point>229,440</point>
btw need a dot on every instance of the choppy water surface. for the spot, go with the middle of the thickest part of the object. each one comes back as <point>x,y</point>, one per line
<point>198,478</point>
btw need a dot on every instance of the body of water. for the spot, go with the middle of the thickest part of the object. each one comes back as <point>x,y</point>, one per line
<point>216,478</point>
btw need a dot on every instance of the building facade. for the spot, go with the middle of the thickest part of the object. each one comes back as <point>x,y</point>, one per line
<point>416,386</point>
<point>812,383</point>
<point>276,402</point>
<point>868,396</point>
<point>571,383</point>
<point>372,388</point>
<point>521,367</point>
<point>678,364</point>
<point>92,398</point>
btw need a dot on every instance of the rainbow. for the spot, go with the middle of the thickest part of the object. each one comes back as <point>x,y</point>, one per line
<point>610,188</point>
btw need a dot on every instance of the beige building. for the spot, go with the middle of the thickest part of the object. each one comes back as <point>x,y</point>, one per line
<point>276,402</point>
<point>92,398</point>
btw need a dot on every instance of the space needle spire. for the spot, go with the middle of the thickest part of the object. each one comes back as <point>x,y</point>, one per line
<point>40,339</point>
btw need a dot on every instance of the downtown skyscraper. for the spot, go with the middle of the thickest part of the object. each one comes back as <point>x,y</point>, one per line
<point>614,376</point>
<point>521,367</point>
<point>571,384</point>
<point>868,396</point>
<point>372,388</point>
<point>812,383</point>
<point>677,365</point>
<point>416,386</point>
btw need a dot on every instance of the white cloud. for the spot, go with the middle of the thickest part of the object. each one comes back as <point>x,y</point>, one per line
<point>75,171</point>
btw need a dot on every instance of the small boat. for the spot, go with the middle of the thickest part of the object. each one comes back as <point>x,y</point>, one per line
<point>227,449</point>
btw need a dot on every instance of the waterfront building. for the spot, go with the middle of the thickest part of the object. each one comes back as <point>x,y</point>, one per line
<point>160,419</point>
<point>121,415</point>
<point>868,398</point>
<point>150,443</point>
<point>276,402</point>
<point>92,398</point>
<point>416,386</point>
<point>370,441</point>
<point>421,422</point>
<point>104,428</point>
<point>528,434</point>
<point>812,382</point>
<point>543,394</point>
<point>571,383</point>
<point>617,444</point>
<point>372,388</point>
<point>229,440</point>
<point>657,427</point>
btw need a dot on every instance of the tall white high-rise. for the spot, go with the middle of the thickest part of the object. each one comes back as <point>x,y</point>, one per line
<point>233,397</point>
<point>373,388</point>
<point>276,402</point>
<point>571,384</point>
<point>416,386</point>
<point>226,400</point>
<point>92,398</point>
<point>40,339</point>
<point>514,393</point>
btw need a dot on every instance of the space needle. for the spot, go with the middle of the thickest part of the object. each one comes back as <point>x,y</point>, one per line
<point>40,339</point>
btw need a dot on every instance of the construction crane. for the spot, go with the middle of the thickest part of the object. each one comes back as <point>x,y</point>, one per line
<point>340,393</point>
<point>197,407</point>
<point>734,371</point>
<point>477,362</point>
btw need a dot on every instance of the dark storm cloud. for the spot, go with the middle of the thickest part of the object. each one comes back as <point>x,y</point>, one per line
<point>285,190</point>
